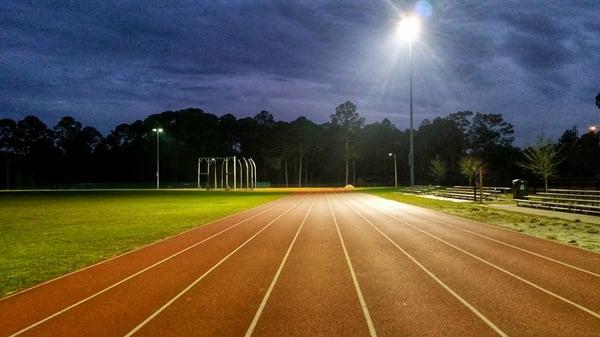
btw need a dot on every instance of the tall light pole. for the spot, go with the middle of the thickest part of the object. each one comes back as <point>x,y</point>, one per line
<point>408,30</point>
<point>395,170</point>
<point>158,132</point>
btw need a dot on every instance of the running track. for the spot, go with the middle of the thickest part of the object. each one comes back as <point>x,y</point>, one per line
<point>344,264</point>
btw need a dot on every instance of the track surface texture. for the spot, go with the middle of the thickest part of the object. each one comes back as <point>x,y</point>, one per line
<point>324,264</point>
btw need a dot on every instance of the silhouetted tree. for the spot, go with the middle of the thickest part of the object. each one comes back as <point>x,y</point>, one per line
<point>483,131</point>
<point>34,143</point>
<point>568,145</point>
<point>443,138</point>
<point>349,121</point>
<point>342,150</point>
<point>77,145</point>
<point>373,144</point>
<point>7,147</point>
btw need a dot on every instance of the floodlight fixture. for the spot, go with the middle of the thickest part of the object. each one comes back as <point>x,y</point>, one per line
<point>409,28</point>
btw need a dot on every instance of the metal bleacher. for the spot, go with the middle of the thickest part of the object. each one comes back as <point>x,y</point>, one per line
<point>466,193</point>
<point>564,200</point>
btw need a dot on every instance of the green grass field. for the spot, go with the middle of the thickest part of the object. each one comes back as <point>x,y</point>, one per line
<point>46,234</point>
<point>574,233</point>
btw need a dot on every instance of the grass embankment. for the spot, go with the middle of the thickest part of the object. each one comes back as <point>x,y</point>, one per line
<point>574,233</point>
<point>46,234</point>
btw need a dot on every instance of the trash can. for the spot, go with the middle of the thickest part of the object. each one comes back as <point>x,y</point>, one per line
<point>519,188</point>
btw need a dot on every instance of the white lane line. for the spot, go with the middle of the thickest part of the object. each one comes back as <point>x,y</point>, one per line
<point>361,299</point>
<point>262,305</point>
<point>578,306</point>
<point>134,275</point>
<point>197,227</point>
<point>440,282</point>
<point>417,212</point>
<point>172,300</point>
<point>509,245</point>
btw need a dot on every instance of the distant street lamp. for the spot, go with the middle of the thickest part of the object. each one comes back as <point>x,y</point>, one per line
<point>593,129</point>
<point>395,170</point>
<point>408,30</point>
<point>158,132</point>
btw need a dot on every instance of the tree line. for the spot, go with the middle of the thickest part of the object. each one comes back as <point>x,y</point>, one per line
<point>344,150</point>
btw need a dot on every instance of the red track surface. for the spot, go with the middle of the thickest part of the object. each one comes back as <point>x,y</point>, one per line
<point>324,265</point>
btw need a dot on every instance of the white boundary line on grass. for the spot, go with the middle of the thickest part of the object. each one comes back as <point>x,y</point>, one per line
<point>440,282</point>
<point>262,305</point>
<point>363,303</point>
<point>578,306</point>
<point>29,327</point>
<point>196,227</point>
<point>191,285</point>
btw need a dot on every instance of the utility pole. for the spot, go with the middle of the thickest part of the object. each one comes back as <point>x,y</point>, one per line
<point>158,132</point>
<point>395,169</point>
<point>412,148</point>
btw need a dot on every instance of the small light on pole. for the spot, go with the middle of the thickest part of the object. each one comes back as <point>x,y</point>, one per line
<point>408,30</point>
<point>593,128</point>
<point>395,169</point>
<point>158,131</point>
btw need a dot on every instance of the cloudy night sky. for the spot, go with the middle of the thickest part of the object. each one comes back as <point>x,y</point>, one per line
<point>105,63</point>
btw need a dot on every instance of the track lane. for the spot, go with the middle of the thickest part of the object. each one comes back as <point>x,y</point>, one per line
<point>516,307</point>
<point>572,256</point>
<point>116,311</point>
<point>361,299</point>
<point>315,294</point>
<point>224,302</point>
<point>265,299</point>
<point>404,299</point>
<point>581,288</point>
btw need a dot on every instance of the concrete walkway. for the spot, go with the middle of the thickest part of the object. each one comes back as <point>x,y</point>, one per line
<point>553,214</point>
<point>442,198</point>
<point>429,196</point>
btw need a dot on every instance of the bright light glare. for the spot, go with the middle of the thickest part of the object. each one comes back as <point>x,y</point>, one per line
<point>593,128</point>
<point>390,154</point>
<point>157,130</point>
<point>409,28</point>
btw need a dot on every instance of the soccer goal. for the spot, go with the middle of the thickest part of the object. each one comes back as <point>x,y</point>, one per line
<point>226,173</point>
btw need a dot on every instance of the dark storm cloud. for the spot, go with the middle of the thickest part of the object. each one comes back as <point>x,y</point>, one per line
<point>111,62</point>
<point>537,41</point>
<point>536,23</point>
<point>537,53</point>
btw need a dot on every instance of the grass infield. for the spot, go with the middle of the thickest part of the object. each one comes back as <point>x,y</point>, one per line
<point>47,234</point>
<point>573,233</point>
